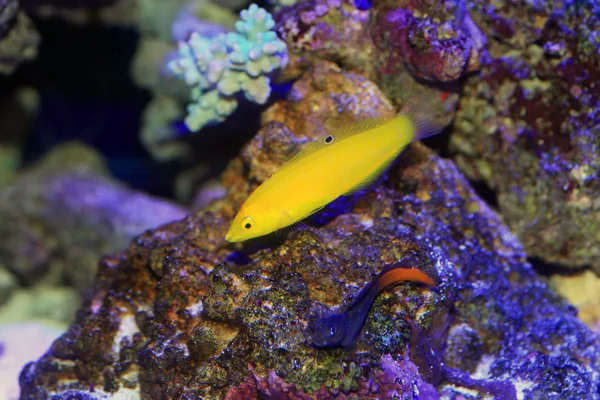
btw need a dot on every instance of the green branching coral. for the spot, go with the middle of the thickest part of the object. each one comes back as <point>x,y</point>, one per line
<point>218,69</point>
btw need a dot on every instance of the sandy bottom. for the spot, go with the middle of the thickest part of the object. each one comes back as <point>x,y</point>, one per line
<point>19,344</point>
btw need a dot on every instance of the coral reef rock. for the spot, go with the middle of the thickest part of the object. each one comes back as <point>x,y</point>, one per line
<point>529,125</point>
<point>414,51</point>
<point>182,314</point>
<point>60,216</point>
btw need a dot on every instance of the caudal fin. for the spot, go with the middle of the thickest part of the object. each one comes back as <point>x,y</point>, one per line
<point>423,118</point>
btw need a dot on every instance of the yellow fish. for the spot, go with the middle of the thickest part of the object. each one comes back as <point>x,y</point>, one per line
<point>344,161</point>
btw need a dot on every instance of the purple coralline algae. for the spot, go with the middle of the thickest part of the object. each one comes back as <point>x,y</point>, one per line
<point>406,51</point>
<point>529,125</point>
<point>436,52</point>
<point>313,30</point>
<point>181,314</point>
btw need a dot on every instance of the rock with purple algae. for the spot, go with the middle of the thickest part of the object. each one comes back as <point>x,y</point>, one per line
<point>529,125</point>
<point>410,52</point>
<point>183,314</point>
<point>331,30</point>
<point>436,44</point>
<point>61,215</point>
<point>464,348</point>
<point>425,51</point>
<point>392,379</point>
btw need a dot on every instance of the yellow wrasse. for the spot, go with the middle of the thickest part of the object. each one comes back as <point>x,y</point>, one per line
<point>344,161</point>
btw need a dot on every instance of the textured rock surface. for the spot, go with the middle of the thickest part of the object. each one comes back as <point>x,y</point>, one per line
<point>410,51</point>
<point>58,218</point>
<point>529,125</point>
<point>182,314</point>
<point>313,30</point>
<point>440,44</point>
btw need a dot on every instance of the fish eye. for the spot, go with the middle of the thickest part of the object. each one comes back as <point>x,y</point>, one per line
<point>247,222</point>
<point>332,331</point>
<point>328,139</point>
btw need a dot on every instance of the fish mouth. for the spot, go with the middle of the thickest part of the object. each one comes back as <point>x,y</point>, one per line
<point>318,342</point>
<point>229,237</point>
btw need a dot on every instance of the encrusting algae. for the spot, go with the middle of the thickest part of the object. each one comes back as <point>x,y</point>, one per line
<point>340,163</point>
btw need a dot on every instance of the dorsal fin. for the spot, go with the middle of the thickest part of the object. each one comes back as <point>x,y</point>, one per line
<point>415,108</point>
<point>336,135</point>
<point>349,129</point>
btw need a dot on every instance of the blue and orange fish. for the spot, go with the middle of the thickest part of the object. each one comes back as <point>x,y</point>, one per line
<point>341,329</point>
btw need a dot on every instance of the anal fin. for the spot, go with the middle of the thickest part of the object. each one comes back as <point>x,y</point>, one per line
<point>316,210</point>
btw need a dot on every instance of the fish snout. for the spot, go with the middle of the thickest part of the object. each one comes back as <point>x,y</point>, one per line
<point>318,339</point>
<point>231,237</point>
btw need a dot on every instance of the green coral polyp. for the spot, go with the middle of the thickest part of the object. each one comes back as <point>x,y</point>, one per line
<point>218,68</point>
